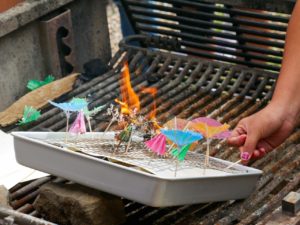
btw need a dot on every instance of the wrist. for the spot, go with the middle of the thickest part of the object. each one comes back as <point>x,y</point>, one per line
<point>285,108</point>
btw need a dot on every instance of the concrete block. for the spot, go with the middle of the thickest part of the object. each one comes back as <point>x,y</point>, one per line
<point>75,204</point>
<point>291,203</point>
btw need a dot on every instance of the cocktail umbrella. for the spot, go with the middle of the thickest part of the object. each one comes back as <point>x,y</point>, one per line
<point>157,144</point>
<point>211,129</point>
<point>72,106</point>
<point>78,126</point>
<point>89,113</point>
<point>180,137</point>
<point>180,154</point>
<point>177,123</point>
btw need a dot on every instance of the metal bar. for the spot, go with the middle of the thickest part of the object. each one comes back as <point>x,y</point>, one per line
<point>274,202</point>
<point>239,210</point>
<point>18,203</point>
<point>243,12</point>
<point>241,21</point>
<point>25,208</point>
<point>31,186</point>
<point>204,54</point>
<point>21,218</point>
<point>195,14</point>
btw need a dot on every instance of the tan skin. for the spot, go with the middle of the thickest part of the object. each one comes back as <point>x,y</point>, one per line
<point>265,130</point>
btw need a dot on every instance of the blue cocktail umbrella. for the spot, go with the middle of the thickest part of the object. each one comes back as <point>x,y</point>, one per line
<point>180,137</point>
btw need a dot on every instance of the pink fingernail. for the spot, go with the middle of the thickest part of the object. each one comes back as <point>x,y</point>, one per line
<point>245,156</point>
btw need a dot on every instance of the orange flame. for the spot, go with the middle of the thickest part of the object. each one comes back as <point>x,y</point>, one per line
<point>152,91</point>
<point>130,100</point>
<point>152,114</point>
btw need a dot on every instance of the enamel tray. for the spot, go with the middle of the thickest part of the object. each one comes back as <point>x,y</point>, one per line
<point>32,149</point>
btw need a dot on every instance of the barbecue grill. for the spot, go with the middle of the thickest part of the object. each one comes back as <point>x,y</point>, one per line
<point>205,59</point>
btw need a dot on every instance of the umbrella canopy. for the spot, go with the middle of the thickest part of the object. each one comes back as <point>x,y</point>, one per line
<point>177,124</point>
<point>70,106</point>
<point>180,154</point>
<point>180,137</point>
<point>211,128</point>
<point>78,127</point>
<point>157,144</point>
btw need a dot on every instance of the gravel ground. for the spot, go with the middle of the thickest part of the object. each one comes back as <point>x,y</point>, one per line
<point>114,26</point>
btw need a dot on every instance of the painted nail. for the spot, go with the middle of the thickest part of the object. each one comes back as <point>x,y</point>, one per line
<point>245,156</point>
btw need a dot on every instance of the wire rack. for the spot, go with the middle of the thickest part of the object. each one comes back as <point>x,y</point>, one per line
<point>140,157</point>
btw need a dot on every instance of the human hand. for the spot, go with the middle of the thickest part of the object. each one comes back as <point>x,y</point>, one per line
<point>262,132</point>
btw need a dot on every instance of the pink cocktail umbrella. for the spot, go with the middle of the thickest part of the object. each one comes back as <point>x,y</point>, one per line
<point>78,126</point>
<point>157,144</point>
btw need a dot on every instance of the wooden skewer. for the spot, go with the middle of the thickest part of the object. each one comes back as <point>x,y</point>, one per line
<point>108,126</point>
<point>67,127</point>
<point>233,164</point>
<point>129,142</point>
<point>89,123</point>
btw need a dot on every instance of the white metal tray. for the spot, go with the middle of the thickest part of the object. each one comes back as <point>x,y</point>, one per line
<point>152,185</point>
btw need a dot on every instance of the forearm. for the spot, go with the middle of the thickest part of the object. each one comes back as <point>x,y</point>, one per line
<point>287,91</point>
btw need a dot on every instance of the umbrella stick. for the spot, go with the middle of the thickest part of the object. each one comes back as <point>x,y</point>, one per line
<point>207,147</point>
<point>176,168</point>
<point>67,127</point>
<point>109,125</point>
<point>89,123</point>
<point>129,142</point>
<point>233,164</point>
<point>207,152</point>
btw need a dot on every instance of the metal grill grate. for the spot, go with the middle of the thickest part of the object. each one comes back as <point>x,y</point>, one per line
<point>187,88</point>
<point>216,31</point>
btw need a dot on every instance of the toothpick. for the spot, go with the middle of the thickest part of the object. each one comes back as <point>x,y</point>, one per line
<point>108,126</point>
<point>67,127</point>
<point>233,164</point>
<point>176,168</point>
<point>207,152</point>
<point>89,123</point>
<point>129,142</point>
<point>207,147</point>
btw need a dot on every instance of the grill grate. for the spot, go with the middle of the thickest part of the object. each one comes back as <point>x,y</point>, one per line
<point>187,88</point>
<point>216,31</point>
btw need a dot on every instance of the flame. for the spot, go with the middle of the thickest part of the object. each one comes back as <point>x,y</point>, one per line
<point>130,100</point>
<point>152,114</point>
<point>152,91</point>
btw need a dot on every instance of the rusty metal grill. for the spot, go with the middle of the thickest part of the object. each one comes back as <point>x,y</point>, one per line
<point>227,31</point>
<point>187,88</point>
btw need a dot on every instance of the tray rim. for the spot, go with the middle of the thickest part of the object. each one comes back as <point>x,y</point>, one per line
<point>20,135</point>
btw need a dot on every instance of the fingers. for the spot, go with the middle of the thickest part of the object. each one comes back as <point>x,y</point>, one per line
<point>250,143</point>
<point>237,140</point>
<point>257,153</point>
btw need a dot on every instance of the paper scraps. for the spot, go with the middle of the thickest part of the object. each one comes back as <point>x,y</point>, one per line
<point>30,114</point>
<point>35,84</point>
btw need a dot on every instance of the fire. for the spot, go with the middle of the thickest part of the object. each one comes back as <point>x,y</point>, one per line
<point>153,92</point>
<point>152,114</point>
<point>130,100</point>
